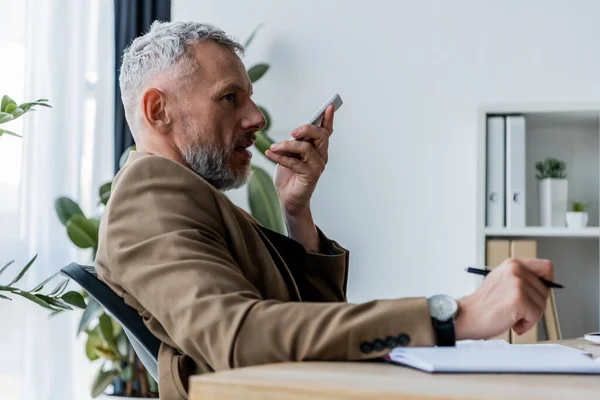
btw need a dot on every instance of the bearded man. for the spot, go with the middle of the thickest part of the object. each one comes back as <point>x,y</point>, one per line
<point>219,290</point>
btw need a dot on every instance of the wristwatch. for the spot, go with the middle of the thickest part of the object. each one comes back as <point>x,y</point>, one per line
<point>443,309</point>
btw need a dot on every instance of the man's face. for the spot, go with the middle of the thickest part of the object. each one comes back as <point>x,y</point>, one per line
<point>216,119</point>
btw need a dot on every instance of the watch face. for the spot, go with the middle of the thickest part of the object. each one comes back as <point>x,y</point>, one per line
<point>442,307</point>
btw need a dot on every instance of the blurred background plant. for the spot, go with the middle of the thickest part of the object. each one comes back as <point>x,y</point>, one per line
<point>55,300</point>
<point>262,196</point>
<point>551,168</point>
<point>106,341</point>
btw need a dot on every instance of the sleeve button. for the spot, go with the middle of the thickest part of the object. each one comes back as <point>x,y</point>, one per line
<point>390,342</point>
<point>403,339</point>
<point>378,345</point>
<point>366,347</point>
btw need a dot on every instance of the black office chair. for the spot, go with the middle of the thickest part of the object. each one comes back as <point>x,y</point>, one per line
<point>144,343</point>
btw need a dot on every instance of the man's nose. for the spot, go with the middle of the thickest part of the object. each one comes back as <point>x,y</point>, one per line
<point>255,120</point>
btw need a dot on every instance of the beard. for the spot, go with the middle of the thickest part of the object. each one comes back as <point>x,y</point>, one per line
<point>212,163</point>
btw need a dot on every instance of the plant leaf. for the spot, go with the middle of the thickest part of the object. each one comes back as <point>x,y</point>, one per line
<point>152,383</point>
<point>108,354</point>
<point>23,271</point>
<point>251,37</point>
<point>263,200</point>
<point>61,286</point>
<point>263,141</point>
<point>10,107</point>
<point>54,302</point>
<point>11,133</point>
<point>257,71</point>
<point>102,380</point>
<point>123,343</point>
<point>104,192</point>
<point>267,119</point>
<point>6,266</point>
<point>5,102</point>
<point>35,299</point>
<point>127,374</point>
<point>83,232</point>
<point>5,297</point>
<point>106,331</point>
<point>125,155</point>
<point>5,117</point>
<point>92,311</point>
<point>18,112</point>
<point>73,298</point>
<point>66,208</point>
<point>41,285</point>
<point>93,341</point>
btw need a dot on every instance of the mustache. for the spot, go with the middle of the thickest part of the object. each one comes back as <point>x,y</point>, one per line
<point>245,138</point>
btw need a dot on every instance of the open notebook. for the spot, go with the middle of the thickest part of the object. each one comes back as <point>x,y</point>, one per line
<point>497,356</point>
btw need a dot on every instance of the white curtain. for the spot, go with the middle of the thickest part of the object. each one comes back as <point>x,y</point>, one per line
<point>67,150</point>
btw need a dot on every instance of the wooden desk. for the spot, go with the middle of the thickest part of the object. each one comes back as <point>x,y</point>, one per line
<point>365,380</point>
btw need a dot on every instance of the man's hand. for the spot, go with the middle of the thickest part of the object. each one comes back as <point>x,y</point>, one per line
<point>511,296</point>
<point>300,164</point>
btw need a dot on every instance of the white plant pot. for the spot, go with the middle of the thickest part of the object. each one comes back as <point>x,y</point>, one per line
<point>577,219</point>
<point>553,201</point>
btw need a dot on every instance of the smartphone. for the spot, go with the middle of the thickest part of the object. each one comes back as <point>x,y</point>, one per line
<point>317,118</point>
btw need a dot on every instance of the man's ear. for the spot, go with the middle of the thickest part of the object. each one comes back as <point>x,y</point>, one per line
<point>154,111</point>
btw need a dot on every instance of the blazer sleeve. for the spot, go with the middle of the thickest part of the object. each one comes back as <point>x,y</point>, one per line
<point>166,247</point>
<point>327,271</point>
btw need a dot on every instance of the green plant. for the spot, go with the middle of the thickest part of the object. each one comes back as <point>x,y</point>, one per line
<point>106,339</point>
<point>56,300</point>
<point>578,206</point>
<point>9,111</point>
<point>262,196</point>
<point>551,168</point>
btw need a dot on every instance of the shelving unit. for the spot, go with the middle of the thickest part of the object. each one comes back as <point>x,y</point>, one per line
<point>570,132</point>
<point>534,231</point>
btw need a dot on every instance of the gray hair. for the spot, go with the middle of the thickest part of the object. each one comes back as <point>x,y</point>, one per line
<point>164,46</point>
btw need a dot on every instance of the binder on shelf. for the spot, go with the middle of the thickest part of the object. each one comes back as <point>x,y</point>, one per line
<point>524,249</point>
<point>515,171</point>
<point>553,331</point>
<point>496,251</point>
<point>496,157</point>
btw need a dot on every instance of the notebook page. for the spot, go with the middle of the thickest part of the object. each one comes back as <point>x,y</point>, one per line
<point>496,357</point>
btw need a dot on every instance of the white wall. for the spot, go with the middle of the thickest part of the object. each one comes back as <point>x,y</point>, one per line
<point>399,191</point>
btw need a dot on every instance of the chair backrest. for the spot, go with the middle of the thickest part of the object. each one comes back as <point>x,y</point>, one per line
<point>145,344</point>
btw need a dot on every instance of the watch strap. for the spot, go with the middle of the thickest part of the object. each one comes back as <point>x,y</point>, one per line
<point>444,332</point>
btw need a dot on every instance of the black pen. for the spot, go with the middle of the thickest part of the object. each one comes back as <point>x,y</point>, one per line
<point>484,272</point>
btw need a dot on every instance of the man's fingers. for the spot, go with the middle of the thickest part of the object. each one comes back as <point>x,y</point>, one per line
<point>327,122</point>
<point>529,312</point>
<point>310,132</point>
<point>292,163</point>
<point>318,137</point>
<point>535,285</point>
<point>310,164</point>
<point>541,268</point>
<point>306,151</point>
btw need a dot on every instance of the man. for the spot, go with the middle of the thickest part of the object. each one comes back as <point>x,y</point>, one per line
<point>216,288</point>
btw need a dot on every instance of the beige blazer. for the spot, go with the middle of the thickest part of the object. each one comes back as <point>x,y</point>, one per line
<point>222,292</point>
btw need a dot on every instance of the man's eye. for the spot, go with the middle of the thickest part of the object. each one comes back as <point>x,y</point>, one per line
<point>230,97</point>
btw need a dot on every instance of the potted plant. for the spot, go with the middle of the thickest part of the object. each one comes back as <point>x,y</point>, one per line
<point>106,342</point>
<point>553,191</point>
<point>55,300</point>
<point>577,217</point>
